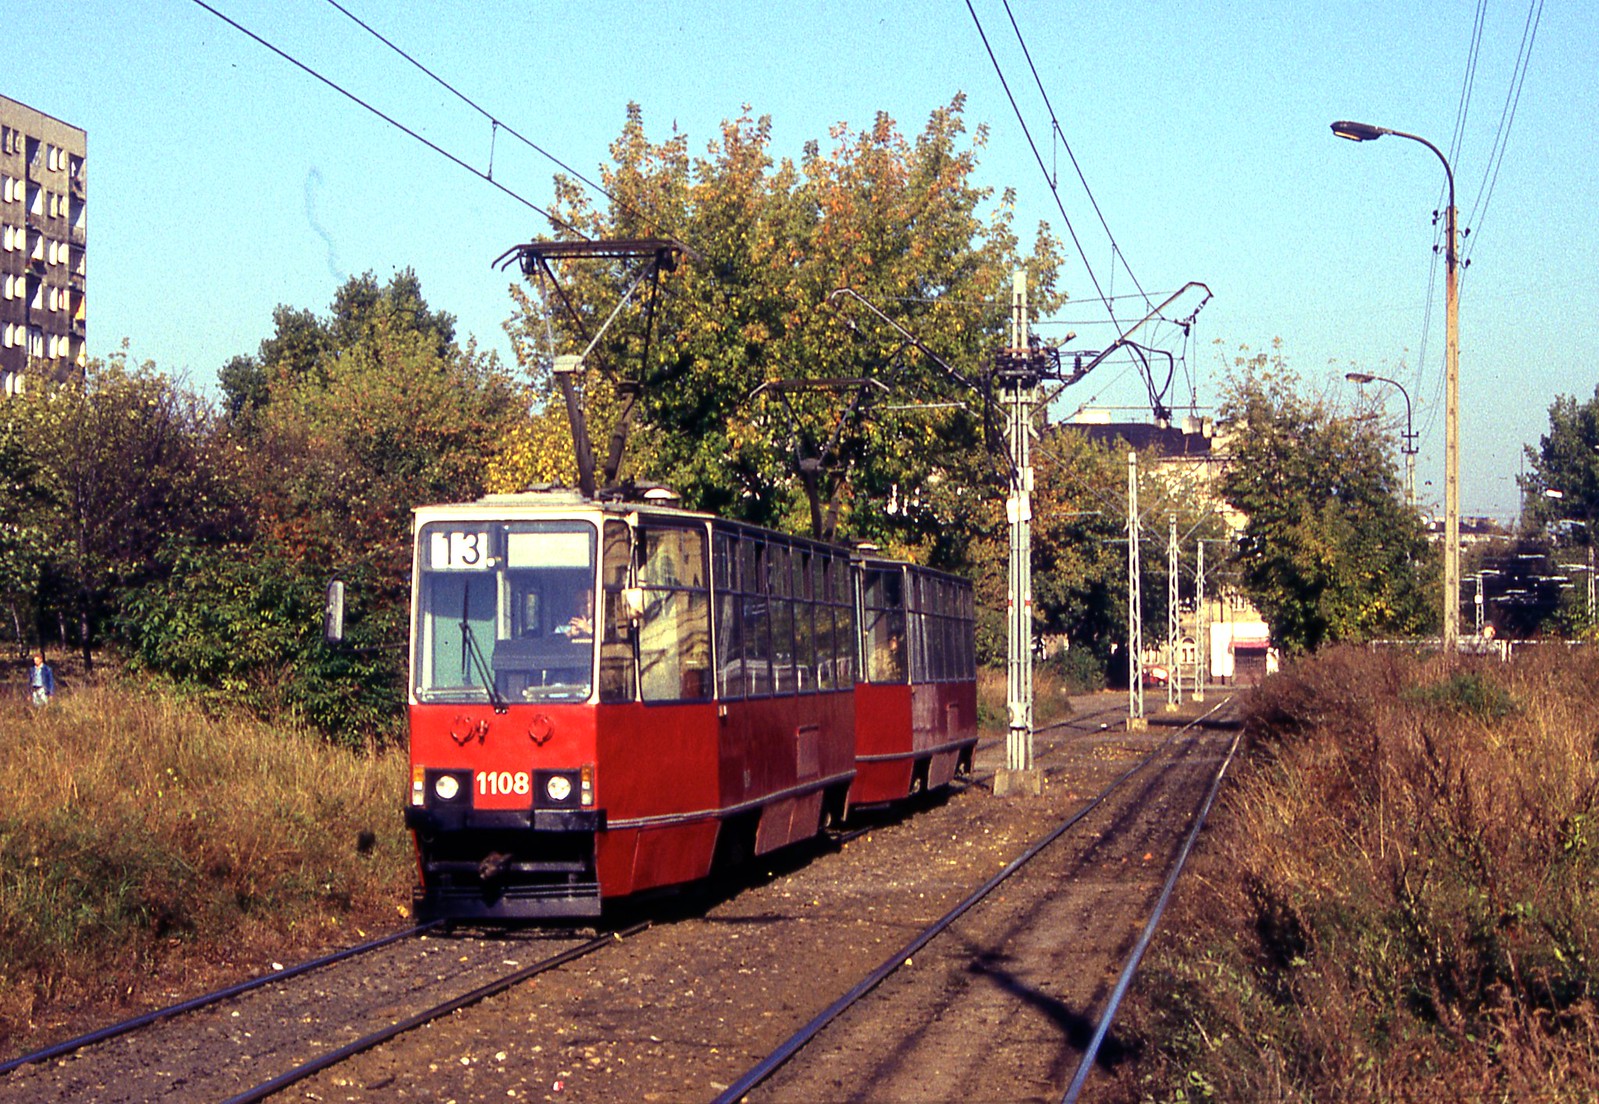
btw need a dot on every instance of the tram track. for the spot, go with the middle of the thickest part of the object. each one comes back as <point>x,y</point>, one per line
<point>205,1000</point>
<point>254,1039</point>
<point>979,963</point>
<point>679,1014</point>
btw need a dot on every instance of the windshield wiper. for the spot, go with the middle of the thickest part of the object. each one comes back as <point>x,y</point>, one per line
<point>470,645</point>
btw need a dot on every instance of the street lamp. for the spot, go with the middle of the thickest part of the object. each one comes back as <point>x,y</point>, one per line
<point>1364,132</point>
<point>1409,447</point>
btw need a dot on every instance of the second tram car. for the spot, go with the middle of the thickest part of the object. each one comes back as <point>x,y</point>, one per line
<point>610,697</point>
<point>916,701</point>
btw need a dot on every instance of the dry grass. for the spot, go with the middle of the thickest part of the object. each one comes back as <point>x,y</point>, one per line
<point>1397,900</point>
<point>1051,697</point>
<point>144,847</point>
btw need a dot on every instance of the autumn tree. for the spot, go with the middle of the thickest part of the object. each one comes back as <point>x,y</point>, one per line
<point>343,424</point>
<point>104,468</point>
<point>1328,551</point>
<point>886,437</point>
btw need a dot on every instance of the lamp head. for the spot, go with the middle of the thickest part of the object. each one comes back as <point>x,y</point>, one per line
<point>1358,377</point>
<point>1358,132</point>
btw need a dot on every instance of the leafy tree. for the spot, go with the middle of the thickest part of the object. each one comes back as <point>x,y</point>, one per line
<point>1563,483</point>
<point>1328,551</point>
<point>343,424</point>
<point>110,465</point>
<point>893,219</point>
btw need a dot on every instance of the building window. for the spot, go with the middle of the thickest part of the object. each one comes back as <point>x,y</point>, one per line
<point>75,167</point>
<point>9,191</point>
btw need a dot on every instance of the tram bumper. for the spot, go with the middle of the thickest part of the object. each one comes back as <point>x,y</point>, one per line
<point>506,865</point>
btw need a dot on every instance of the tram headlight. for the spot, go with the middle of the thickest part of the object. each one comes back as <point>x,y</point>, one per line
<point>446,787</point>
<point>558,788</point>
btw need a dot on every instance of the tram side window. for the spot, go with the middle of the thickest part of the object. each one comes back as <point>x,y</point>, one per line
<point>804,620</point>
<point>884,632</point>
<point>937,628</point>
<point>729,634</point>
<point>919,629</point>
<point>617,671</point>
<point>675,637</point>
<point>828,629</point>
<point>757,653</point>
<point>842,595</point>
<point>968,631</point>
<point>780,594</point>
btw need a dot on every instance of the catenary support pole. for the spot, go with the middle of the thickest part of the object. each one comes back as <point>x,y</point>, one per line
<point>1020,385</point>
<point>1135,605</point>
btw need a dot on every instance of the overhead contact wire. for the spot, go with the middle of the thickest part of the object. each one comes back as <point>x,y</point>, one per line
<point>347,94</point>
<point>1054,122</point>
<point>498,123</point>
<point>1028,134</point>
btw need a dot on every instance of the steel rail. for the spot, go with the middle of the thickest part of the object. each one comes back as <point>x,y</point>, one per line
<point>111,1031</point>
<point>790,1047</point>
<point>1137,955</point>
<point>333,1057</point>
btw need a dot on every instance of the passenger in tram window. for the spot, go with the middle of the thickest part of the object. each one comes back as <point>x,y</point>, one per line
<point>888,662</point>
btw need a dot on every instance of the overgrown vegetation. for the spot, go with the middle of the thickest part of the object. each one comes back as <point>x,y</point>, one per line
<point>1397,898</point>
<point>141,842</point>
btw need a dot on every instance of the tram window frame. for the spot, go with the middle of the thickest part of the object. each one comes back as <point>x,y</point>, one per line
<point>727,626</point>
<point>756,617</point>
<point>511,608</point>
<point>805,668</point>
<point>675,634</point>
<point>618,661</point>
<point>885,602</point>
<point>780,604</point>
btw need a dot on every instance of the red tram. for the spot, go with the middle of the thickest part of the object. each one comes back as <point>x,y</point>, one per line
<point>610,697</point>
<point>916,703</point>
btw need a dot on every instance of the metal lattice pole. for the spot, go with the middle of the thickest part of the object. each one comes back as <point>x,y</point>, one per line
<point>1173,627</point>
<point>1019,511</point>
<point>1135,601</point>
<point>1201,623</point>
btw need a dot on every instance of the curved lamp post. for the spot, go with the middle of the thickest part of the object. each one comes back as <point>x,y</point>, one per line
<point>1364,132</point>
<point>1409,447</point>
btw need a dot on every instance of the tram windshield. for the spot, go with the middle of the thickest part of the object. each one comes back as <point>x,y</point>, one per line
<point>507,605</point>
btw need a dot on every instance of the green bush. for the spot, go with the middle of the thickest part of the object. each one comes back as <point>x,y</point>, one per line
<point>233,627</point>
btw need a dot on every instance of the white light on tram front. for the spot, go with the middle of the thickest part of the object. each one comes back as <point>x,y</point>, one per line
<point>559,787</point>
<point>446,786</point>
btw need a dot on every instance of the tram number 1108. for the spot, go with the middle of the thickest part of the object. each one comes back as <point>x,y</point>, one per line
<point>503,783</point>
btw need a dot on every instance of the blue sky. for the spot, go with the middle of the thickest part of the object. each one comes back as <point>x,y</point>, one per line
<point>223,181</point>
